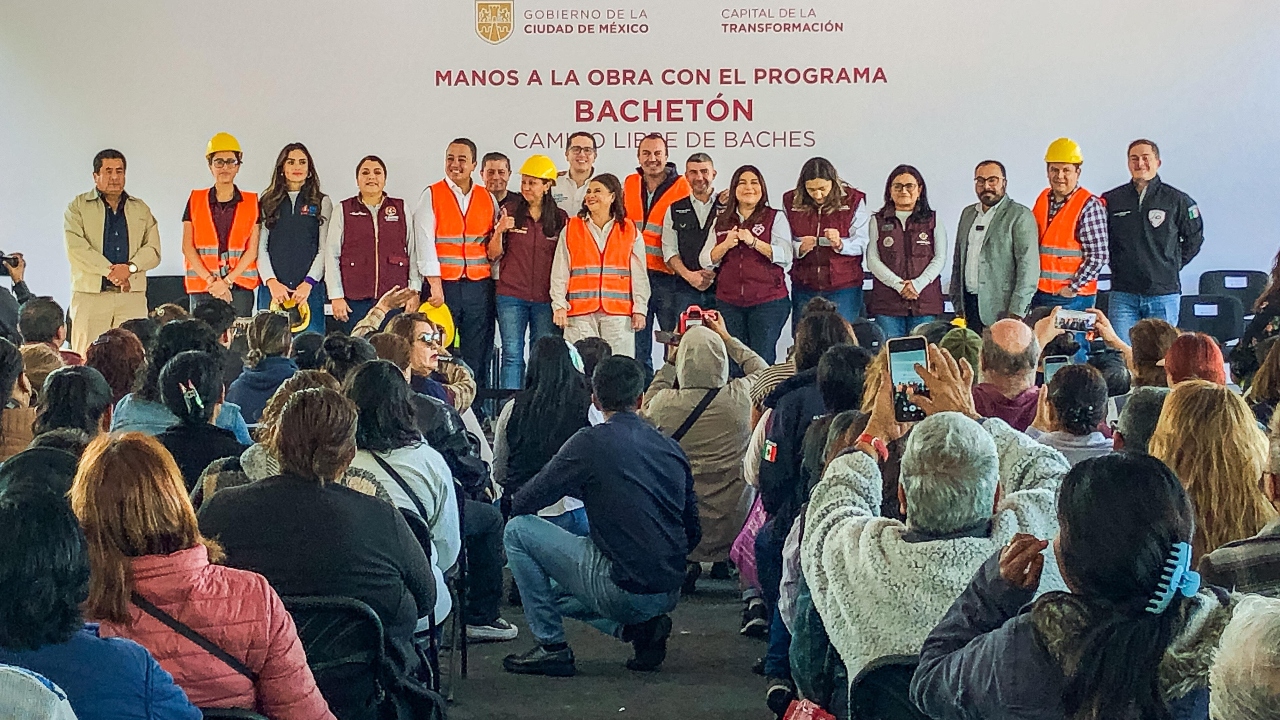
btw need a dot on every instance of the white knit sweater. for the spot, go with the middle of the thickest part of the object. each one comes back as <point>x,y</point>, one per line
<point>880,595</point>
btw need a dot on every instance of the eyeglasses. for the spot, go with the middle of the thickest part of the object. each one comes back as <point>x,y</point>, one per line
<point>225,162</point>
<point>581,150</point>
<point>993,180</point>
<point>432,337</point>
<point>904,187</point>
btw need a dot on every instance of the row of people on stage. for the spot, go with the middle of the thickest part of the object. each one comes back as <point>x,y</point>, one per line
<point>589,254</point>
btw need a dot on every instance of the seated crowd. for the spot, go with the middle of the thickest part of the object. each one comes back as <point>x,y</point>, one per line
<point>1101,545</point>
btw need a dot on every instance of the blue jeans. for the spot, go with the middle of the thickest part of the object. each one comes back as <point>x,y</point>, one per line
<point>757,326</point>
<point>515,317</point>
<point>1126,309</point>
<point>315,301</point>
<point>896,327</point>
<point>359,308</point>
<point>563,575</point>
<point>575,521</point>
<point>848,302</point>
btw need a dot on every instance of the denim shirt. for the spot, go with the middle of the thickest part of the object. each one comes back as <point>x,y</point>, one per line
<point>133,414</point>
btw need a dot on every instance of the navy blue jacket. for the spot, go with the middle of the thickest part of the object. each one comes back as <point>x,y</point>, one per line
<point>783,487</point>
<point>256,385</point>
<point>638,491</point>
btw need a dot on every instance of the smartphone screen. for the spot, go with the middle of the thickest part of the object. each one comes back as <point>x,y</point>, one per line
<point>1053,364</point>
<point>1075,320</point>
<point>904,355</point>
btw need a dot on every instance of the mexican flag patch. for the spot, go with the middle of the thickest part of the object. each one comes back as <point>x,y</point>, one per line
<point>1193,212</point>
<point>770,451</point>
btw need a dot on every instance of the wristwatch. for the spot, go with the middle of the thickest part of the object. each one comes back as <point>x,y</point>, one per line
<point>882,450</point>
<point>132,268</point>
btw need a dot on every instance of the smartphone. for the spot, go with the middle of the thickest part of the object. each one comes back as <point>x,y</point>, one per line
<point>1075,320</point>
<point>904,354</point>
<point>824,241</point>
<point>1053,364</point>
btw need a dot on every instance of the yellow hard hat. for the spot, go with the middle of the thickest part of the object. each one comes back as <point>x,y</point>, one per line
<point>299,315</point>
<point>539,166</point>
<point>1064,150</point>
<point>444,318</point>
<point>222,142</point>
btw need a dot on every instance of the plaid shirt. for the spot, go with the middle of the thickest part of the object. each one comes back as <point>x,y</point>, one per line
<point>1091,231</point>
<point>1251,565</point>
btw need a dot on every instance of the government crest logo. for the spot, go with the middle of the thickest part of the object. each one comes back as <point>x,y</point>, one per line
<point>495,20</point>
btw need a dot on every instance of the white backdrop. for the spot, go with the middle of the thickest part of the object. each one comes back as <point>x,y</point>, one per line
<point>962,80</point>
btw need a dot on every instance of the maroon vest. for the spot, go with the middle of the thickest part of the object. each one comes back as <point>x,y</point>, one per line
<point>823,268</point>
<point>746,277</point>
<point>525,268</point>
<point>906,252</point>
<point>373,264</point>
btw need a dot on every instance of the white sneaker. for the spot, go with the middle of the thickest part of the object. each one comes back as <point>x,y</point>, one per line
<point>497,631</point>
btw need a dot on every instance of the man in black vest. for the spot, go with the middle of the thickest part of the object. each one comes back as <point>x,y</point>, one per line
<point>684,232</point>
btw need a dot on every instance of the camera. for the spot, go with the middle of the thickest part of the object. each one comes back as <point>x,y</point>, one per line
<point>7,262</point>
<point>691,317</point>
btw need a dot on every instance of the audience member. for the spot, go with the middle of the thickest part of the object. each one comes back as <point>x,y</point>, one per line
<point>68,440</point>
<point>967,344</point>
<point>624,578</point>
<point>24,694</point>
<point>41,468</point>
<point>221,317</point>
<point>868,334</point>
<point>1244,681</point>
<point>18,415</point>
<point>766,382</point>
<point>44,570</point>
<point>150,566</point>
<point>533,427</point>
<point>1208,437</point>
<point>1010,354</point>
<point>74,397</point>
<point>343,353</point>
<point>307,351</point>
<point>395,299</point>
<point>266,366</point>
<point>120,356</point>
<point>1138,419</point>
<point>191,388</point>
<point>144,329</point>
<point>43,321</point>
<point>1132,639</point>
<point>413,473</point>
<point>592,350</point>
<point>1264,391</point>
<point>1069,412</point>
<point>1248,354</point>
<point>1248,565</point>
<point>144,411</point>
<point>431,372</point>
<point>694,402</point>
<point>168,312</point>
<point>933,331</point>
<point>1194,356</point>
<point>297,530</point>
<point>38,361</point>
<point>968,486</point>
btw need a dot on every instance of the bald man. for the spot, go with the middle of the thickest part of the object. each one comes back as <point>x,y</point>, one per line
<point>1010,354</point>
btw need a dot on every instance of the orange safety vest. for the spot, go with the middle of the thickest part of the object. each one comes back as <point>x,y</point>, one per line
<point>462,242</point>
<point>1060,252</point>
<point>650,226</point>
<point>204,235</point>
<point>599,282</point>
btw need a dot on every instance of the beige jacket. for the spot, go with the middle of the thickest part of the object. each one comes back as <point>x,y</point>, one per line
<point>83,225</point>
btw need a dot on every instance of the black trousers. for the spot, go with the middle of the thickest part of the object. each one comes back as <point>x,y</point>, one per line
<point>482,532</point>
<point>664,290</point>
<point>474,314</point>
<point>972,319</point>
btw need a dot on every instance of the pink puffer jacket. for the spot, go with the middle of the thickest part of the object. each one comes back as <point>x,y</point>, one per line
<point>240,613</point>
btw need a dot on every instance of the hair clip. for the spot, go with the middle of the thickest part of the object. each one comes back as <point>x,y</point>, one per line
<point>191,397</point>
<point>1178,577</point>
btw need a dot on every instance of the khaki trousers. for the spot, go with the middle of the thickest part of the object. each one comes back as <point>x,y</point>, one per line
<point>95,313</point>
<point>613,329</point>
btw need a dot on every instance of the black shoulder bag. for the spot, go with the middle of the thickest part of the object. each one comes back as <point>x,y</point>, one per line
<point>413,496</point>
<point>205,643</point>
<point>698,409</point>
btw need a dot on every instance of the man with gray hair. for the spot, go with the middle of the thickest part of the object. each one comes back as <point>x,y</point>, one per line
<point>968,485</point>
<point>1138,419</point>
<point>1010,353</point>
<point>1252,565</point>
<point>1244,681</point>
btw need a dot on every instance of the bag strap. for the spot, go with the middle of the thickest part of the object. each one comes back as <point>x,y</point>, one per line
<point>422,511</point>
<point>698,409</point>
<point>205,643</point>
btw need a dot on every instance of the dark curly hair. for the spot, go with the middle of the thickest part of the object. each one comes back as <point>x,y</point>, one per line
<point>343,353</point>
<point>177,337</point>
<point>816,334</point>
<point>1078,395</point>
<point>384,402</point>
<point>199,371</point>
<point>119,355</point>
<point>316,434</point>
<point>44,569</point>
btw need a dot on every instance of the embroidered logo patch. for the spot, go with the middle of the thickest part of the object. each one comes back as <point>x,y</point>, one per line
<point>1193,212</point>
<point>758,230</point>
<point>1156,217</point>
<point>769,453</point>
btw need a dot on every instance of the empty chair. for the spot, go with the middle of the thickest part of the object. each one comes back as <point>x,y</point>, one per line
<point>1243,285</point>
<point>1219,316</point>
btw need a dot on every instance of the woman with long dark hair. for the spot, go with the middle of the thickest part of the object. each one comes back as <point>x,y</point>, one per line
<point>1134,638</point>
<point>907,249</point>
<point>1248,354</point>
<point>828,220</point>
<point>524,244</point>
<point>599,280</point>
<point>76,397</point>
<point>291,241</point>
<point>530,430</point>
<point>750,243</point>
<point>191,387</point>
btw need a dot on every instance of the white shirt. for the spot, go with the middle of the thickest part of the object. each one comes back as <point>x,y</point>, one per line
<point>560,269</point>
<point>316,272</point>
<point>853,239</point>
<point>779,240</point>
<point>424,224</point>
<point>568,195</point>
<point>671,241</point>
<point>886,276</point>
<point>333,248</point>
<point>977,236</point>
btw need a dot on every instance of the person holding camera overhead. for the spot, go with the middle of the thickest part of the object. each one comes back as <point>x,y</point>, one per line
<point>905,255</point>
<point>220,233</point>
<point>750,243</point>
<point>295,215</point>
<point>828,221</point>
<point>112,241</point>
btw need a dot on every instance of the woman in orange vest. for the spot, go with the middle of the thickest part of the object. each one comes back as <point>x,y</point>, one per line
<point>220,233</point>
<point>599,283</point>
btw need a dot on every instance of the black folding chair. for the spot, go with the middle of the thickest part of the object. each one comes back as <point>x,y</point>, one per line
<point>1243,285</point>
<point>163,289</point>
<point>1219,316</point>
<point>882,691</point>
<point>230,714</point>
<point>422,532</point>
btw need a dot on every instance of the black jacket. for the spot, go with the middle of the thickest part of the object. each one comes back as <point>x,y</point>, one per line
<point>783,485</point>
<point>1152,242</point>
<point>195,446</point>
<point>441,426</point>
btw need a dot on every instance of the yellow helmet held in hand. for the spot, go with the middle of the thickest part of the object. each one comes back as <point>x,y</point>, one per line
<point>444,318</point>
<point>299,314</point>
<point>539,166</point>
<point>222,142</point>
<point>1064,150</point>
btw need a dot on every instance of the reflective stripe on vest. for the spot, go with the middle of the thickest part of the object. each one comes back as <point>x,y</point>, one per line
<point>461,245</point>
<point>650,226</point>
<point>1061,254</point>
<point>599,282</point>
<point>204,235</point>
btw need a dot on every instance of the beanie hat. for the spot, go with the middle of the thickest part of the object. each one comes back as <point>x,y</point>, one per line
<point>1195,356</point>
